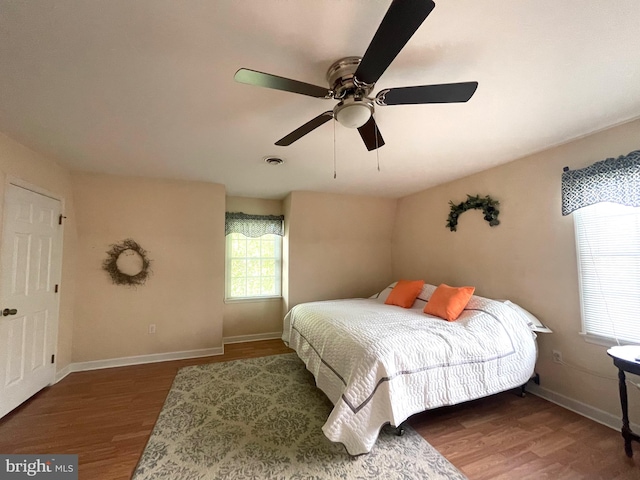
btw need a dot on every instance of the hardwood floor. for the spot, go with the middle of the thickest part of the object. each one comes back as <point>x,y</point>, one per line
<point>508,437</point>
<point>106,416</point>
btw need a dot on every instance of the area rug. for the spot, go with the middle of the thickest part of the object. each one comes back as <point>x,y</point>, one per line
<point>262,419</point>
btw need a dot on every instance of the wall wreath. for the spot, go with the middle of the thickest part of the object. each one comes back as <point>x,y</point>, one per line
<point>127,263</point>
<point>487,204</point>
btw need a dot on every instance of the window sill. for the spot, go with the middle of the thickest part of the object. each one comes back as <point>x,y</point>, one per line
<point>604,341</point>
<point>252,299</point>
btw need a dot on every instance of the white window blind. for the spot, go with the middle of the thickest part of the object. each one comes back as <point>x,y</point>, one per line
<point>608,247</point>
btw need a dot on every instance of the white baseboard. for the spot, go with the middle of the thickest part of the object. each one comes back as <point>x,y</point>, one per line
<point>137,360</point>
<point>252,338</point>
<point>593,413</point>
<point>62,373</point>
<point>161,357</point>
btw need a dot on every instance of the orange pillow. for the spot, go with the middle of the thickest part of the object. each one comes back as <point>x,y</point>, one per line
<point>405,293</point>
<point>448,302</point>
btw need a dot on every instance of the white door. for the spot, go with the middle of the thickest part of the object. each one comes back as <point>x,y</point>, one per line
<point>30,259</point>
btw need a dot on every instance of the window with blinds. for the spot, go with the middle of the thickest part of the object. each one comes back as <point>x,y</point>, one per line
<point>608,247</point>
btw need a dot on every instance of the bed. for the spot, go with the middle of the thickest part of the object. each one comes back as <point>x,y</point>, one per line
<point>380,364</point>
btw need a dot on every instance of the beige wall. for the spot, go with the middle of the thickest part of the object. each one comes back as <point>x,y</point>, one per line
<point>252,317</point>
<point>339,246</point>
<point>529,258</point>
<point>181,225</point>
<point>19,163</point>
<point>254,206</point>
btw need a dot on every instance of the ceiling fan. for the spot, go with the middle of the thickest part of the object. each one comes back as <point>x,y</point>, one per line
<point>352,79</point>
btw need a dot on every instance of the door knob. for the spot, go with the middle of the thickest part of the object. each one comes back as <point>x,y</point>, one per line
<point>9,311</point>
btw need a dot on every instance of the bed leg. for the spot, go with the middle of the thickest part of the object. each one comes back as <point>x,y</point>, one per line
<point>523,389</point>
<point>399,430</point>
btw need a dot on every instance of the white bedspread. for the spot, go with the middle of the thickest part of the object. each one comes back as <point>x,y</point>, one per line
<point>380,364</point>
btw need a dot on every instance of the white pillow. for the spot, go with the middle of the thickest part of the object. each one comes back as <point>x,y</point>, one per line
<point>533,322</point>
<point>425,294</point>
<point>382,296</point>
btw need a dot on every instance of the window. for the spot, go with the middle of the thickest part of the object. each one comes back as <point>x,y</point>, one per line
<point>608,247</point>
<point>254,255</point>
<point>253,266</point>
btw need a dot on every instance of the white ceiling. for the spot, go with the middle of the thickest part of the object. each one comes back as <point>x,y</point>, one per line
<point>146,87</point>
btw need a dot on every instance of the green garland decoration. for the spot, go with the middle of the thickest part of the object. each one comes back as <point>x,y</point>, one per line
<point>487,204</point>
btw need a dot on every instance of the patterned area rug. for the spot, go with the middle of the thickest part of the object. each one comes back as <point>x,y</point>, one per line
<point>261,419</point>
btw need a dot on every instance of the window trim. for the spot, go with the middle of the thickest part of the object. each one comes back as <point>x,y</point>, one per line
<point>602,340</point>
<point>272,298</point>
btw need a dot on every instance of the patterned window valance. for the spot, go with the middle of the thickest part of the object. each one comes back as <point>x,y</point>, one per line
<point>253,225</point>
<point>615,180</point>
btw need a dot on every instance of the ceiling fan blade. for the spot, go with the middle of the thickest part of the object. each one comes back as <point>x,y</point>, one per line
<point>399,24</point>
<point>304,129</point>
<point>371,135</point>
<point>445,93</point>
<point>259,79</point>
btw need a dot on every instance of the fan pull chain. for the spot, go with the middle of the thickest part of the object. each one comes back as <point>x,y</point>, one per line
<point>334,149</point>
<point>375,125</point>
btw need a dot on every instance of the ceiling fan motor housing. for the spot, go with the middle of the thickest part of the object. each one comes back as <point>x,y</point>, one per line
<point>341,79</point>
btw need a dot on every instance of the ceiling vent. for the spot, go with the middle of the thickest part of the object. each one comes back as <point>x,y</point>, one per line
<point>274,160</point>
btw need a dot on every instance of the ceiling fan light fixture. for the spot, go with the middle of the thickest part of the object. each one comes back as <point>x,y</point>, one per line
<point>353,113</point>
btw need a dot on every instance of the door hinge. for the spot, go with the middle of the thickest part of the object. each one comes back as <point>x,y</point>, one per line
<point>60,217</point>
<point>56,288</point>
<point>53,358</point>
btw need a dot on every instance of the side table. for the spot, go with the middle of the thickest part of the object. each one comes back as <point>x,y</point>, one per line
<point>626,359</point>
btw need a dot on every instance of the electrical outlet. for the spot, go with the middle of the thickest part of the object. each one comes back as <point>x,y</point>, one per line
<point>152,328</point>
<point>557,356</point>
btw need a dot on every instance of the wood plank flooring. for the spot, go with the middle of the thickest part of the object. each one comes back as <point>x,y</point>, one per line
<point>106,416</point>
<point>507,437</point>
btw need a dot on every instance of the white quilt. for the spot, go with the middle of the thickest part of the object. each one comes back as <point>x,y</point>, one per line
<point>380,364</point>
